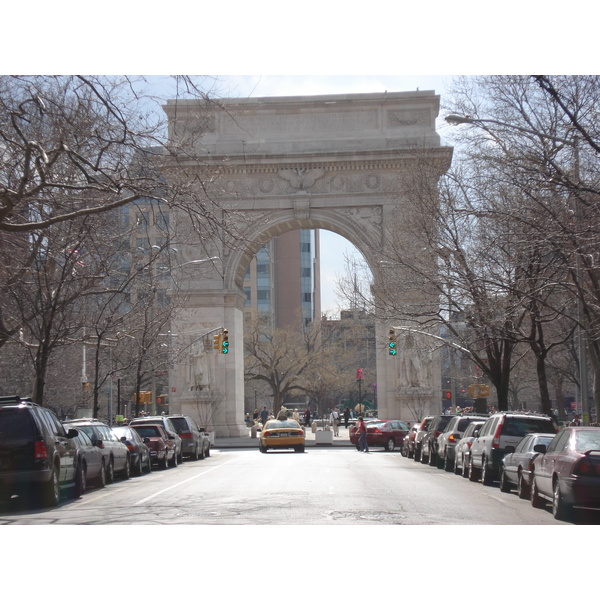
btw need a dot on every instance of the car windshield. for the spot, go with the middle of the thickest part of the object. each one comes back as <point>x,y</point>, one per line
<point>517,426</point>
<point>375,423</point>
<point>148,430</point>
<point>587,440</point>
<point>180,424</point>
<point>286,424</point>
<point>122,432</point>
<point>15,424</point>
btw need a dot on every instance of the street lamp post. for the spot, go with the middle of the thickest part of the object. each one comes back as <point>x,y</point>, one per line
<point>454,119</point>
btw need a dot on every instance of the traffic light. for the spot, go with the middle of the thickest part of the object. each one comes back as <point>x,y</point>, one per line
<point>217,342</point>
<point>224,342</point>
<point>392,344</point>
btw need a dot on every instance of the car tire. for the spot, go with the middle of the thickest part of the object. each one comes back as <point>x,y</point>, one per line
<point>101,479</point>
<point>390,444</point>
<point>448,466</point>
<point>207,451</point>
<point>126,472</point>
<point>505,486</point>
<point>560,509</point>
<point>487,477</point>
<point>523,490</point>
<point>179,458</point>
<point>80,480</point>
<point>110,471</point>
<point>139,467</point>
<point>173,461</point>
<point>299,449</point>
<point>196,454</point>
<point>465,470</point>
<point>50,490</point>
<point>202,454</point>
<point>149,467</point>
<point>536,500</point>
<point>473,472</point>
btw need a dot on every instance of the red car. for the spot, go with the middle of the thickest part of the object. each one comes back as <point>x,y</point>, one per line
<point>567,473</point>
<point>387,433</point>
<point>163,451</point>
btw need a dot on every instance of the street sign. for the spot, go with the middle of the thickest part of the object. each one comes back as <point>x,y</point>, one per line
<point>479,390</point>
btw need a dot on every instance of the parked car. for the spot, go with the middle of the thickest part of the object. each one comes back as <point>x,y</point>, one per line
<point>115,455</point>
<point>163,451</point>
<point>90,457</point>
<point>423,427</point>
<point>462,452</point>
<point>518,462</point>
<point>408,444</point>
<point>567,473</point>
<point>169,427</point>
<point>501,430</point>
<point>429,445</point>
<point>195,443</point>
<point>280,434</point>
<point>138,451</point>
<point>447,440</point>
<point>386,433</point>
<point>38,456</point>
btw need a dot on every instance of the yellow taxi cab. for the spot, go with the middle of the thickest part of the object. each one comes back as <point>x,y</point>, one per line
<point>280,434</point>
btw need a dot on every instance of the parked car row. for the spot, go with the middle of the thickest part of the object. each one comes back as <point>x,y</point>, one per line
<point>40,456</point>
<point>522,451</point>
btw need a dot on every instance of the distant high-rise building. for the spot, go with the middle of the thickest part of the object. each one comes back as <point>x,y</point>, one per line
<point>283,280</point>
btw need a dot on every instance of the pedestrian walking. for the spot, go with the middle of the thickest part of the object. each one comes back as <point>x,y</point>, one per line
<point>264,415</point>
<point>334,420</point>
<point>362,435</point>
<point>346,416</point>
<point>296,416</point>
<point>307,417</point>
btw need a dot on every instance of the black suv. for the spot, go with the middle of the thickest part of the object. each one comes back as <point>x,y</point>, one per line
<point>37,454</point>
<point>501,430</point>
<point>429,447</point>
<point>194,442</point>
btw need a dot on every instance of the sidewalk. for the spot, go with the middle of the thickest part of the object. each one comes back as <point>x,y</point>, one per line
<point>310,442</point>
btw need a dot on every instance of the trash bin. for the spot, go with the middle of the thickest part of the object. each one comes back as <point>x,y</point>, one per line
<point>313,427</point>
<point>253,431</point>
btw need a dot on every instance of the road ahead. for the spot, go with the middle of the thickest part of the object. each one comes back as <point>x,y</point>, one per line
<point>323,486</point>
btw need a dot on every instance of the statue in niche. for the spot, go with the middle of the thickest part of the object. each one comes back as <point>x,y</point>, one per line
<point>198,375</point>
<point>414,369</point>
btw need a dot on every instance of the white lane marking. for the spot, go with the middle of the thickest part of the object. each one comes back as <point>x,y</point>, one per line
<point>182,482</point>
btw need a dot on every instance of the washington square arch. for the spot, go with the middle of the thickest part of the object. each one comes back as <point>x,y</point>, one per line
<point>275,164</point>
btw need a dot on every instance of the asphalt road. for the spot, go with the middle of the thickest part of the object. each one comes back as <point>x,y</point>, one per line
<point>323,486</point>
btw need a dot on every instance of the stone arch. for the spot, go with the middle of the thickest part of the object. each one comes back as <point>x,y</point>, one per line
<point>325,162</point>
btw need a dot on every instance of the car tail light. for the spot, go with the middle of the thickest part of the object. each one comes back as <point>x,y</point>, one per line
<point>40,450</point>
<point>585,466</point>
<point>300,432</point>
<point>267,434</point>
<point>375,430</point>
<point>451,439</point>
<point>187,435</point>
<point>129,445</point>
<point>496,440</point>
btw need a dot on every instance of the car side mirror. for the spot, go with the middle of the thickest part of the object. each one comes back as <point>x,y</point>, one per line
<point>72,433</point>
<point>146,440</point>
<point>171,436</point>
<point>509,449</point>
<point>201,429</point>
<point>540,448</point>
<point>98,443</point>
<point>123,439</point>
